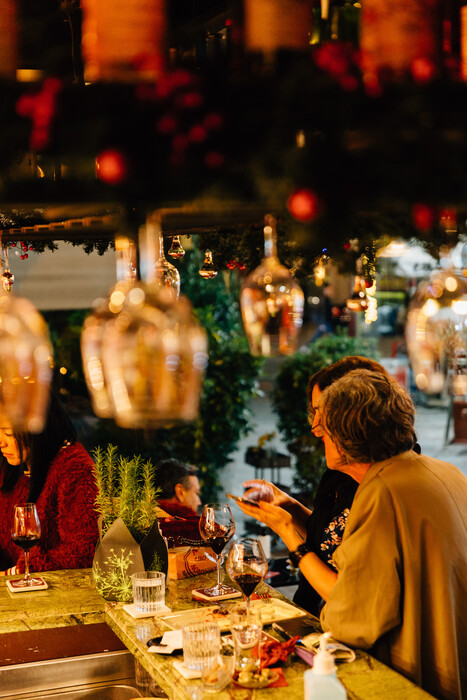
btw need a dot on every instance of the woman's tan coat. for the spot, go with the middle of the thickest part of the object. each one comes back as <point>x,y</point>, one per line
<point>402,585</point>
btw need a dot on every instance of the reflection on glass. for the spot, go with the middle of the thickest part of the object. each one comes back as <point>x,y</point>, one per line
<point>272,303</point>
<point>436,333</point>
<point>25,364</point>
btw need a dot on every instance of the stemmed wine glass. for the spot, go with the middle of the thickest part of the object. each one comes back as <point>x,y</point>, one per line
<point>217,527</point>
<point>247,565</point>
<point>26,532</point>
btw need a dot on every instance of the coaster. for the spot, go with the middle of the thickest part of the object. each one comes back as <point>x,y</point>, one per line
<point>204,594</point>
<point>137,614</point>
<point>14,585</point>
<point>187,673</point>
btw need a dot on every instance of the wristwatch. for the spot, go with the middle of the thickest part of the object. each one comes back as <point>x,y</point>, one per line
<point>296,556</point>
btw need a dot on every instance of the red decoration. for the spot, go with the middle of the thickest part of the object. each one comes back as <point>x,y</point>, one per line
<point>304,205</point>
<point>197,134</point>
<point>214,159</point>
<point>423,216</point>
<point>40,108</point>
<point>111,167</point>
<point>423,70</point>
<point>231,265</point>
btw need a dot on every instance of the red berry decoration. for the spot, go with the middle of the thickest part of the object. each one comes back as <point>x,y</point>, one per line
<point>111,167</point>
<point>231,265</point>
<point>304,205</point>
<point>423,216</point>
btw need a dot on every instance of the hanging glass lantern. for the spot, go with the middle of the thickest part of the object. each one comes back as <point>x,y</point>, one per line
<point>25,364</point>
<point>176,249</point>
<point>271,302</point>
<point>436,333</point>
<point>207,270</point>
<point>359,300</point>
<point>8,277</point>
<point>167,274</point>
<point>94,327</point>
<point>154,352</point>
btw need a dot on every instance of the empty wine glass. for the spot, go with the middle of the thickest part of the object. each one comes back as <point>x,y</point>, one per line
<point>217,527</point>
<point>247,565</point>
<point>25,533</point>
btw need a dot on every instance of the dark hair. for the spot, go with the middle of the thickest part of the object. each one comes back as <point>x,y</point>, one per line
<point>169,473</point>
<point>369,416</point>
<point>43,448</point>
<point>326,376</point>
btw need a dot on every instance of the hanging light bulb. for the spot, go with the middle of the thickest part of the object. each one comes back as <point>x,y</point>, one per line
<point>320,270</point>
<point>208,271</point>
<point>167,274</point>
<point>94,327</point>
<point>271,302</point>
<point>25,364</point>
<point>359,300</point>
<point>436,333</point>
<point>154,351</point>
<point>8,277</point>
<point>176,249</point>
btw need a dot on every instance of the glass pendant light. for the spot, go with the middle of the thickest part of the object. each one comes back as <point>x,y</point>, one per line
<point>8,277</point>
<point>94,327</point>
<point>167,274</point>
<point>359,300</point>
<point>154,351</point>
<point>436,333</point>
<point>25,364</point>
<point>271,302</point>
<point>176,249</point>
<point>207,270</point>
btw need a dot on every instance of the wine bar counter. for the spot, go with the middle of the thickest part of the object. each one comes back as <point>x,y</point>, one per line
<point>365,678</point>
<point>66,619</point>
<point>71,619</point>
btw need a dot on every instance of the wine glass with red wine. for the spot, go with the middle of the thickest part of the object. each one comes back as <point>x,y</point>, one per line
<point>217,527</point>
<point>26,533</point>
<point>247,565</point>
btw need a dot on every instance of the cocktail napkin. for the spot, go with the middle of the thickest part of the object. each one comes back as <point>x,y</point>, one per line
<point>173,640</point>
<point>137,614</point>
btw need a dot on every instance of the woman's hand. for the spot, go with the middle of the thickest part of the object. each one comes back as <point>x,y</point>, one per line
<point>277,519</point>
<point>265,491</point>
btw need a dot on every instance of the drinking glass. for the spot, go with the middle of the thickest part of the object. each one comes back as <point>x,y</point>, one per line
<point>148,591</point>
<point>246,627</point>
<point>247,565</point>
<point>26,532</point>
<point>201,643</point>
<point>217,527</point>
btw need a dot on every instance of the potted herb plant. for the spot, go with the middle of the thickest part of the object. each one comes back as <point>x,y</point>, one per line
<point>130,539</point>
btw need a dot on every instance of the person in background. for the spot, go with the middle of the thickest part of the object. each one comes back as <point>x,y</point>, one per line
<point>55,472</point>
<point>321,528</point>
<point>401,585</point>
<point>178,498</point>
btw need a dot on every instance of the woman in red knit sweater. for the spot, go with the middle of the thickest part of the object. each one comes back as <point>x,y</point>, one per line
<point>54,471</point>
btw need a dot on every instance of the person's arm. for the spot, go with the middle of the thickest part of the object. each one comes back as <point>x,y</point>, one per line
<point>259,489</point>
<point>365,602</point>
<point>317,573</point>
<point>72,482</point>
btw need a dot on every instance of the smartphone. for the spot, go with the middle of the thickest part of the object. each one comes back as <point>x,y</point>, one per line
<point>241,499</point>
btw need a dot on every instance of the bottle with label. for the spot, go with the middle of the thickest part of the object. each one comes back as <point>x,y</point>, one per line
<point>321,682</point>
